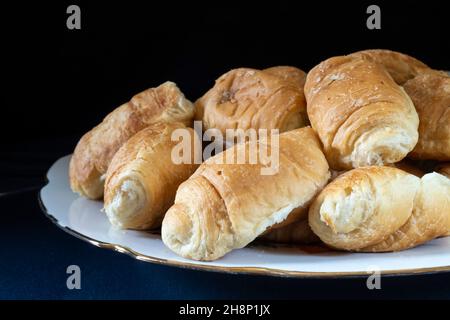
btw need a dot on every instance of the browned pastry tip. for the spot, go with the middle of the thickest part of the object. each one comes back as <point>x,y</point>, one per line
<point>430,93</point>
<point>400,66</point>
<point>96,148</point>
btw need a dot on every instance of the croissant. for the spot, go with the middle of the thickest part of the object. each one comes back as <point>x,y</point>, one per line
<point>96,148</point>
<point>226,206</point>
<point>143,178</point>
<point>291,74</point>
<point>379,209</point>
<point>400,66</point>
<point>259,99</point>
<point>430,93</point>
<point>360,114</point>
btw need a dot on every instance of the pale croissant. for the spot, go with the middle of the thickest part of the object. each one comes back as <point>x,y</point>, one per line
<point>144,175</point>
<point>379,209</point>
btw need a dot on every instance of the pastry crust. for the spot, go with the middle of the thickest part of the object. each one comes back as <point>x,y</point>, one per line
<point>260,99</point>
<point>430,93</point>
<point>96,148</point>
<point>290,74</point>
<point>142,178</point>
<point>360,114</point>
<point>400,66</point>
<point>430,217</point>
<point>378,209</point>
<point>226,206</point>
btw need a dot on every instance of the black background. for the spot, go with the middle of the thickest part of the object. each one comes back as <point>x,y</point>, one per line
<point>66,81</point>
<point>59,83</point>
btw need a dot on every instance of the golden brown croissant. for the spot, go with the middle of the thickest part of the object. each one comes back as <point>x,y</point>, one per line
<point>226,206</point>
<point>260,99</point>
<point>360,114</point>
<point>430,93</point>
<point>96,148</point>
<point>400,66</point>
<point>143,178</point>
<point>378,209</point>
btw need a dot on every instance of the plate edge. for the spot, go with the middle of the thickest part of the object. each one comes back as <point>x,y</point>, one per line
<point>229,270</point>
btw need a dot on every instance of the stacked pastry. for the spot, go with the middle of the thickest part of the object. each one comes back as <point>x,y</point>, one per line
<point>95,150</point>
<point>350,180</point>
<point>368,122</point>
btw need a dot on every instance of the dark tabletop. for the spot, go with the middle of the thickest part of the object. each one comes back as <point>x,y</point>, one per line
<point>35,254</point>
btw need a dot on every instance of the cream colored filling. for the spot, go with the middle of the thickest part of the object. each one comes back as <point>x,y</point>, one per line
<point>127,203</point>
<point>347,212</point>
<point>381,146</point>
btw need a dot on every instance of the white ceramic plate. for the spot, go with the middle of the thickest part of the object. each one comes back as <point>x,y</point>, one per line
<point>84,219</point>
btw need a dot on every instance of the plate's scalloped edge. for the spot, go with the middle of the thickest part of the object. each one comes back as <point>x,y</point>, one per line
<point>231,270</point>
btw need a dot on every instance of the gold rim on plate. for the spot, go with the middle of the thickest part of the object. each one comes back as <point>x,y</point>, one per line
<point>234,270</point>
